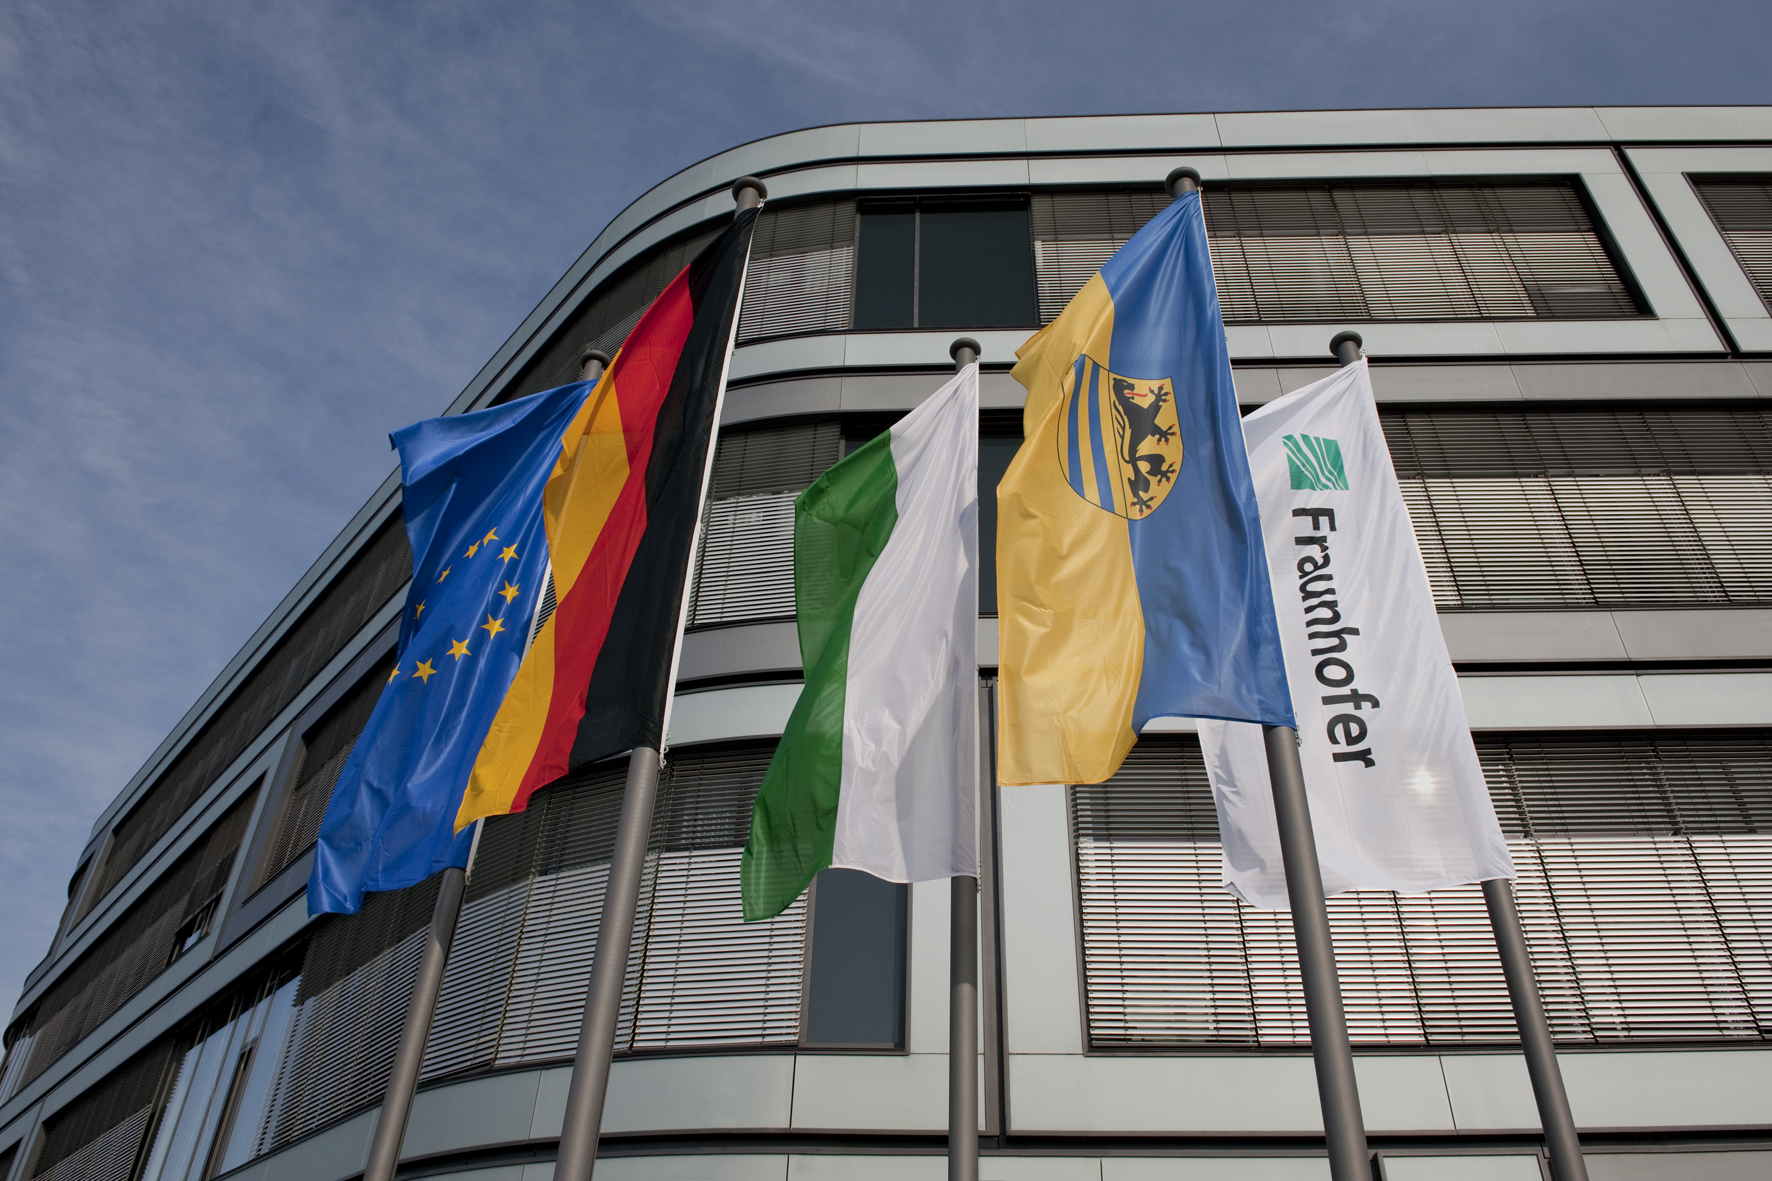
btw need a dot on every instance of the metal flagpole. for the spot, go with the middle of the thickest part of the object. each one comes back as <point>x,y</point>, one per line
<point>396,1103</point>
<point>583,1123</point>
<point>1554,1115</point>
<point>963,975</point>
<point>1344,1128</point>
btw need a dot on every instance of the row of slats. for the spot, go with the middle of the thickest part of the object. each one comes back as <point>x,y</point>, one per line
<point>132,951</point>
<point>1742,208</point>
<point>325,751</point>
<point>382,567</point>
<point>1645,872</point>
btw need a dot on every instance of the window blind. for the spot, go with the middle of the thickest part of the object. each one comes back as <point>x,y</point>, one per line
<point>98,1137</point>
<point>1643,860</point>
<point>1741,207</point>
<point>1418,251</point>
<point>801,273</point>
<point>746,569</point>
<point>698,975</point>
<point>325,750</point>
<point>604,320</point>
<point>171,916</point>
<point>369,580</point>
<point>1588,507</point>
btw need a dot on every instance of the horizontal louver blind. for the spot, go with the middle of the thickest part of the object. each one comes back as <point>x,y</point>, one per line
<point>1076,233</point>
<point>131,952</point>
<point>698,974</point>
<point>1589,508</point>
<point>356,980</point>
<point>802,271</point>
<point>604,320</point>
<point>326,749</point>
<point>746,569</point>
<point>1742,208</point>
<point>1642,860</point>
<point>1359,252</point>
<point>98,1137</point>
<point>370,579</point>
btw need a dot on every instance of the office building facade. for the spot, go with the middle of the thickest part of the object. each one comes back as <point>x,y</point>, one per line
<point>1569,316</point>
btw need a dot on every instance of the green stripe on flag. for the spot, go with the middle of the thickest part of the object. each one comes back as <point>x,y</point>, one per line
<point>841,525</point>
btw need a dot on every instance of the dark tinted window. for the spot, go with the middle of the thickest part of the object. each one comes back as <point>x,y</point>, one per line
<point>856,996</point>
<point>945,264</point>
<point>886,267</point>
<point>997,444</point>
<point>977,268</point>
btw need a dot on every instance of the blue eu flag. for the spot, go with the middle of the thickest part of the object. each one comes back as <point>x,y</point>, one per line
<point>473,491</point>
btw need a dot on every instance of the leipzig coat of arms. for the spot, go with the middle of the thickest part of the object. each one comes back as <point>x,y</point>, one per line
<point>1119,442</point>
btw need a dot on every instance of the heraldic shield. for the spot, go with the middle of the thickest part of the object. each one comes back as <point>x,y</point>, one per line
<point>1119,444</point>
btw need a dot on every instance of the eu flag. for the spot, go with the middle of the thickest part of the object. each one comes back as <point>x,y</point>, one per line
<point>473,495</point>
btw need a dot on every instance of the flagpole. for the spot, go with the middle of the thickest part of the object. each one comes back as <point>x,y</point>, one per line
<point>1554,1115</point>
<point>1344,1128</point>
<point>409,1058</point>
<point>583,1122</point>
<point>963,973</point>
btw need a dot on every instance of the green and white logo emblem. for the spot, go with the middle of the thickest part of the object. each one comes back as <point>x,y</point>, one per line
<point>1315,463</point>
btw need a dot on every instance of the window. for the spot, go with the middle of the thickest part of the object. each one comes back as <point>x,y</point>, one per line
<point>1569,508</point>
<point>938,263</point>
<point>604,320</point>
<point>215,1106</point>
<point>168,920</point>
<point>746,570</point>
<point>100,1135</point>
<point>1360,251</point>
<point>325,749</point>
<point>802,270</point>
<point>1645,864</point>
<point>1741,207</point>
<point>857,971</point>
<point>999,438</point>
<point>369,580</point>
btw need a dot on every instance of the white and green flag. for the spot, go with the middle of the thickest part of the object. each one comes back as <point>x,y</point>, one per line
<point>877,768</point>
<point>1397,797</point>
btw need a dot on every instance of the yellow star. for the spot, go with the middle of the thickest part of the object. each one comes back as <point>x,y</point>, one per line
<point>445,573</point>
<point>509,592</point>
<point>509,552</point>
<point>393,674</point>
<point>459,649</point>
<point>424,671</point>
<point>473,548</point>
<point>492,626</point>
<point>421,607</point>
<point>491,535</point>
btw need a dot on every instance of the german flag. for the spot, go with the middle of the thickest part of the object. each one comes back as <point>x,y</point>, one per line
<point>619,511</point>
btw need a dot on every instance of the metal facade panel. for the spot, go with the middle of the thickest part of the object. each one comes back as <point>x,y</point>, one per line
<point>876,1092</point>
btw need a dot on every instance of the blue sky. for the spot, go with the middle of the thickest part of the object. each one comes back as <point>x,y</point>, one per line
<point>240,243</point>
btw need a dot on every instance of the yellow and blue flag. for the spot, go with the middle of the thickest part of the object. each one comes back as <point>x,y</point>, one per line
<point>1131,579</point>
<point>473,495</point>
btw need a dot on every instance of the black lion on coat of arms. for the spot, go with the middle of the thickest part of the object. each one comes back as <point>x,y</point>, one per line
<point>1134,423</point>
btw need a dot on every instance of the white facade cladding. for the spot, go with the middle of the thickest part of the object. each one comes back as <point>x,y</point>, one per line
<point>1569,316</point>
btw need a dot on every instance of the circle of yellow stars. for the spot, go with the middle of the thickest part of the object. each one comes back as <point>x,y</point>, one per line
<point>426,669</point>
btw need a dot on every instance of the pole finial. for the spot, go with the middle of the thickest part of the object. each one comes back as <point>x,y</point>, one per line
<point>964,351</point>
<point>1181,180</point>
<point>1345,347</point>
<point>591,364</point>
<point>749,192</point>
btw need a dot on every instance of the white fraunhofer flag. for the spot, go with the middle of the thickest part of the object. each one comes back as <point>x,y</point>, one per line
<point>1397,796</point>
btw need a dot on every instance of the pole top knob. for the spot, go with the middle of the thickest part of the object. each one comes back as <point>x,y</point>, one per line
<point>1345,347</point>
<point>590,357</point>
<point>964,351</point>
<point>749,192</point>
<point>1181,180</point>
